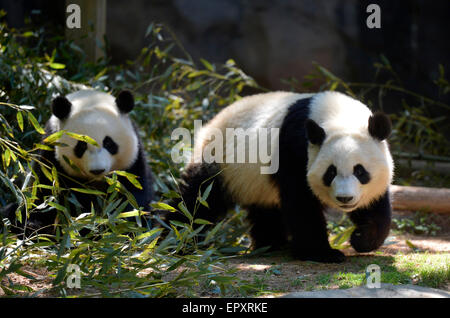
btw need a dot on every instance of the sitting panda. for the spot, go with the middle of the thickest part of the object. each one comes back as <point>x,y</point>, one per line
<point>331,152</point>
<point>105,119</point>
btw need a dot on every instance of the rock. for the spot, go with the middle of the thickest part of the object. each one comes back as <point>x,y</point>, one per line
<point>386,291</point>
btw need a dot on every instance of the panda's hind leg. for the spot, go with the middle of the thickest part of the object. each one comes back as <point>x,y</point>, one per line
<point>268,229</point>
<point>197,177</point>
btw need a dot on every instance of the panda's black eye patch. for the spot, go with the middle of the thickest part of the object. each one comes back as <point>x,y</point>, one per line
<point>110,145</point>
<point>329,175</point>
<point>361,174</point>
<point>80,148</point>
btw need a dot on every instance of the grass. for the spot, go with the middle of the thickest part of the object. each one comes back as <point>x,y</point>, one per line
<point>424,269</point>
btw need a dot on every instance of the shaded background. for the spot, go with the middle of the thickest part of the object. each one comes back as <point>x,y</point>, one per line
<point>275,40</point>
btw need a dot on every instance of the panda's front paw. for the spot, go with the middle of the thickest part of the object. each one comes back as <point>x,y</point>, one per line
<point>366,239</point>
<point>322,256</point>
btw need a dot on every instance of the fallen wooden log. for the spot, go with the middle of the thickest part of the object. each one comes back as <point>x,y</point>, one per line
<point>435,200</point>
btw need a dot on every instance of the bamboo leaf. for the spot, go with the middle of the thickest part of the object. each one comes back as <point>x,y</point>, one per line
<point>35,124</point>
<point>43,147</point>
<point>7,157</point>
<point>130,214</point>
<point>20,120</point>
<point>130,177</point>
<point>337,241</point>
<point>201,221</point>
<point>177,264</point>
<point>58,206</point>
<point>57,66</point>
<point>185,211</point>
<point>163,206</point>
<point>55,177</point>
<point>88,191</point>
<point>71,164</point>
<point>46,173</point>
<point>203,202</point>
<point>178,235</point>
<point>54,137</point>
<point>172,195</point>
<point>148,234</point>
<point>207,65</point>
<point>84,138</point>
<point>207,192</point>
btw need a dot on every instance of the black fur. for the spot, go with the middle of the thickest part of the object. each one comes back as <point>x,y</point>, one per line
<point>329,175</point>
<point>61,107</point>
<point>80,148</point>
<point>44,221</point>
<point>380,126</point>
<point>372,225</point>
<point>361,174</point>
<point>300,219</point>
<point>198,177</point>
<point>300,209</point>
<point>315,134</point>
<point>110,145</point>
<point>125,102</point>
<point>268,228</point>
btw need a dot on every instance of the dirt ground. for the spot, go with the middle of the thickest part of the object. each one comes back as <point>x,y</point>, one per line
<point>278,273</point>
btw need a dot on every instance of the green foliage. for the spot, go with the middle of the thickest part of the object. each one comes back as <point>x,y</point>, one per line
<point>340,232</point>
<point>419,223</point>
<point>118,256</point>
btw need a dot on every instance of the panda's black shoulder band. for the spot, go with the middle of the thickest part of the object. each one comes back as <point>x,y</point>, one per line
<point>125,102</point>
<point>61,107</point>
<point>380,126</point>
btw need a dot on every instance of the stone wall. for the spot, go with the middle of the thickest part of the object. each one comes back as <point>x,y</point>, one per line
<point>269,39</point>
<point>278,39</point>
<point>275,39</point>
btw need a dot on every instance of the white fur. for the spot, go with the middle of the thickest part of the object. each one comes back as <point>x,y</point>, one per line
<point>95,114</point>
<point>347,143</point>
<point>244,180</point>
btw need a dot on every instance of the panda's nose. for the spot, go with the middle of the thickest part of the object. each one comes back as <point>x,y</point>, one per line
<point>344,199</point>
<point>97,171</point>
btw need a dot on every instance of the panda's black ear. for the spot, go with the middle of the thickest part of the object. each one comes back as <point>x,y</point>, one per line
<point>315,134</point>
<point>125,102</point>
<point>380,126</point>
<point>61,107</point>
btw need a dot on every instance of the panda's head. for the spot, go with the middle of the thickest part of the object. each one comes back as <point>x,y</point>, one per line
<point>103,118</point>
<point>348,169</point>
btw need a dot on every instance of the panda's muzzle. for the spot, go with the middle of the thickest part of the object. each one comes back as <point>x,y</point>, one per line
<point>98,162</point>
<point>97,171</point>
<point>344,199</point>
<point>345,192</point>
<point>348,206</point>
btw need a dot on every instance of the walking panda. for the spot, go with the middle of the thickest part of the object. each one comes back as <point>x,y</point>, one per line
<point>331,151</point>
<point>105,119</point>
